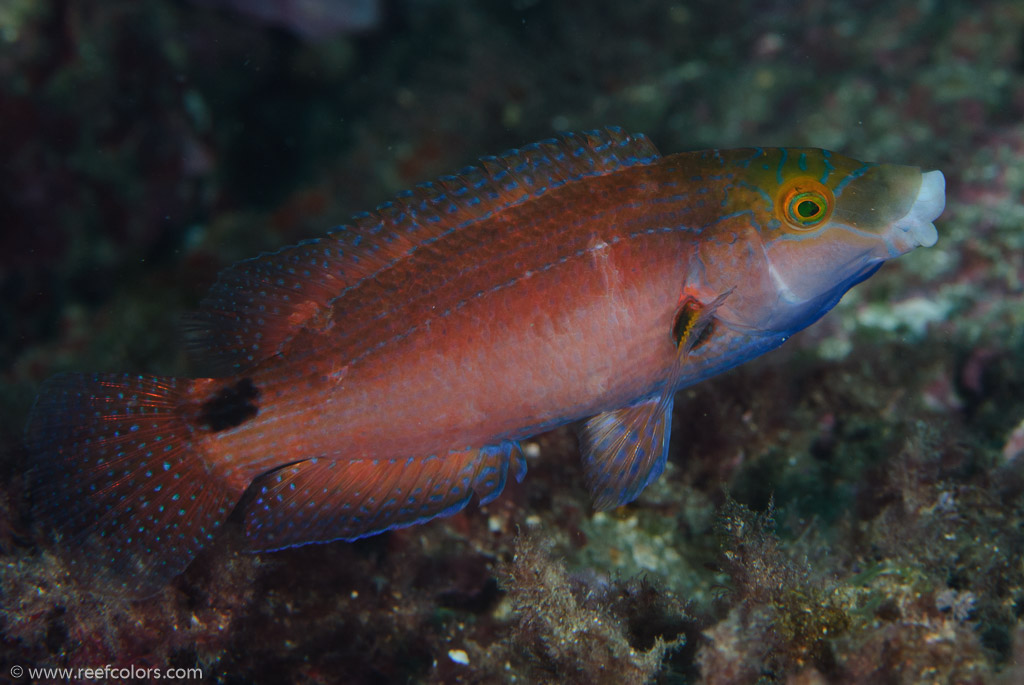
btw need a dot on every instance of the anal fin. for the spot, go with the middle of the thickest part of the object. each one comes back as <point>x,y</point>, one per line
<point>319,500</point>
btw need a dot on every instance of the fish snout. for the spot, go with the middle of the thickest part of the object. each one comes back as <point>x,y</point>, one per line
<point>916,229</point>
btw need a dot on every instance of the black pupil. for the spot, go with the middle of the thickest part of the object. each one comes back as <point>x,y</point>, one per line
<point>807,209</point>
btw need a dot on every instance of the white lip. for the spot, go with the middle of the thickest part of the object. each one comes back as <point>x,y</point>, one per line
<point>916,225</point>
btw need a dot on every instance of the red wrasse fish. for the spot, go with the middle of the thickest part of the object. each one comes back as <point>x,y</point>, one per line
<point>382,375</point>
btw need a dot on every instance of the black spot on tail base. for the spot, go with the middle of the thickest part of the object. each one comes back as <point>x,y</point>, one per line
<point>232,406</point>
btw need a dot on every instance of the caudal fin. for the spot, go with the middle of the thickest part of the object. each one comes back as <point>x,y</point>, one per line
<point>118,474</point>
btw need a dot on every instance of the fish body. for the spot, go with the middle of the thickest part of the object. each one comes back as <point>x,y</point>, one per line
<point>382,375</point>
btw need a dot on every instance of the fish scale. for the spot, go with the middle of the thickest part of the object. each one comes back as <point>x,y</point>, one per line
<point>383,375</point>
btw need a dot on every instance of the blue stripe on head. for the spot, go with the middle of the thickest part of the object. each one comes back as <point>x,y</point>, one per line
<point>760,191</point>
<point>826,155</point>
<point>853,175</point>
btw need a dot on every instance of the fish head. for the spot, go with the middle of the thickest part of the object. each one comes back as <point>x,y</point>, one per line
<point>806,225</point>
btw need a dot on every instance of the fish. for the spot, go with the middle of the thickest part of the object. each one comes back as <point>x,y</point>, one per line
<point>386,374</point>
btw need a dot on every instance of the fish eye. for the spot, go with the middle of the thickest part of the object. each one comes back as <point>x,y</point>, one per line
<point>805,204</point>
<point>807,207</point>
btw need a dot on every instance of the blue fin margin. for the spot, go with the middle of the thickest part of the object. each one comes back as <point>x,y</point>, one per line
<point>321,500</point>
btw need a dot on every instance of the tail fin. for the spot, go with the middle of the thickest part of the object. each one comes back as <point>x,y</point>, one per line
<point>118,474</point>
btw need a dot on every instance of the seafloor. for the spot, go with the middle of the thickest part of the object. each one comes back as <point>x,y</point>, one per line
<point>848,509</point>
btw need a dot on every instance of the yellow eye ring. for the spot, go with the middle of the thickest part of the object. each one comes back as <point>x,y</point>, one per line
<point>805,204</point>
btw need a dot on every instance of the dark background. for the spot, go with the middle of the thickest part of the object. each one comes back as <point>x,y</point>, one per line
<point>145,145</point>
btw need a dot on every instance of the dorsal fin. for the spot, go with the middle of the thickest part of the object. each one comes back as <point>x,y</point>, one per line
<point>258,305</point>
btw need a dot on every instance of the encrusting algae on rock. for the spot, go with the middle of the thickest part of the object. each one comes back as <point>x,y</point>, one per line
<point>380,376</point>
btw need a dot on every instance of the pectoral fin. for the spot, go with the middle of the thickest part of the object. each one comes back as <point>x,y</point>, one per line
<point>625,450</point>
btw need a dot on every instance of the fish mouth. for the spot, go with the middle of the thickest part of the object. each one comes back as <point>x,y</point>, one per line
<point>916,229</point>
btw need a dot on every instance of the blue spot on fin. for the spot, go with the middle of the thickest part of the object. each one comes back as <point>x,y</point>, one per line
<point>625,450</point>
<point>323,500</point>
<point>116,473</point>
<point>258,305</point>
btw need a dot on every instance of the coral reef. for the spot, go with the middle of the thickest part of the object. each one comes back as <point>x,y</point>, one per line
<point>585,631</point>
